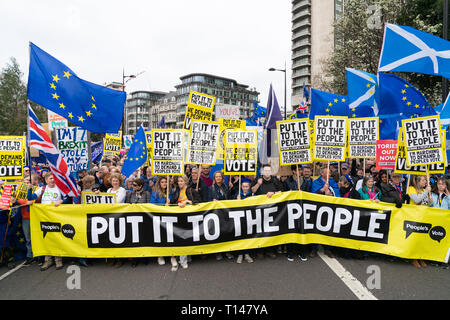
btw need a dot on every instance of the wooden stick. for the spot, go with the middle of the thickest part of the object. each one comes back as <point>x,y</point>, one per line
<point>328,171</point>
<point>198,180</point>
<point>298,178</point>
<point>239,191</point>
<point>168,188</point>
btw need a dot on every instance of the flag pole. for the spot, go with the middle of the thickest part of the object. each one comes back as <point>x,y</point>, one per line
<point>298,179</point>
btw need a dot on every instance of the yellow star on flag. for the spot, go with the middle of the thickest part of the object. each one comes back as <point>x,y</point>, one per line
<point>88,113</point>
<point>62,106</point>
<point>70,115</point>
<point>52,85</point>
<point>80,118</point>
<point>336,100</point>
<point>55,78</point>
<point>55,96</point>
<point>94,106</point>
<point>67,74</point>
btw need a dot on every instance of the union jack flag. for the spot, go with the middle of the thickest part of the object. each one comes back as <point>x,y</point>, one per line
<point>302,107</point>
<point>61,172</point>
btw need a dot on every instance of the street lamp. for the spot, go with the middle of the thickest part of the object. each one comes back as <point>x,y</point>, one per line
<point>128,78</point>
<point>283,70</point>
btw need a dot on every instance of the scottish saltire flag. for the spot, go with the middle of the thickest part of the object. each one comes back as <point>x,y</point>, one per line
<point>162,123</point>
<point>58,166</point>
<point>328,104</point>
<point>305,92</point>
<point>398,98</point>
<point>56,87</point>
<point>270,126</point>
<point>444,112</point>
<point>137,154</point>
<point>361,87</point>
<point>406,49</point>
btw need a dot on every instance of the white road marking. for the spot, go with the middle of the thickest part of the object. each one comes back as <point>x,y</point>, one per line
<point>11,271</point>
<point>361,292</point>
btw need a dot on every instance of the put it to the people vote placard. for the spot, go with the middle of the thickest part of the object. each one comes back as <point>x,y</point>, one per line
<point>168,152</point>
<point>203,141</point>
<point>12,157</point>
<point>363,134</point>
<point>294,142</point>
<point>330,137</point>
<point>423,141</point>
<point>200,107</point>
<point>241,152</point>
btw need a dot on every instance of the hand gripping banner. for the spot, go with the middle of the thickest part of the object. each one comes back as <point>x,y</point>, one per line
<point>147,230</point>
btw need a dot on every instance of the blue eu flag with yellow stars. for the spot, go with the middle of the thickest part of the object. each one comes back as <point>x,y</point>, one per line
<point>137,155</point>
<point>56,87</point>
<point>400,99</point>
<point>328,104</point>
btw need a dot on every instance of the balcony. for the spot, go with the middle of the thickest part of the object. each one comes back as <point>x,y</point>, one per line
<point>301,14</point>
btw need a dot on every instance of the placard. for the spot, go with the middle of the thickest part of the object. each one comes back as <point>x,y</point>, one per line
<point>330,136</point>
<point>226,124</point>
<point>112,143</point>
<point>363,134</point>
<point>72,145</point>
<point>386,154</point>
<point>168,152</point>
<point>200,107</point>
<point>98,198</point>
<point>56,121</point>
<point>12,157</point>
<point>423,141</point>
<point>402,167</point>
<point>294,142</point>
<point>203,141</point>
<point>5,197</point>
<point>227,111</point>
<point>241,152</point>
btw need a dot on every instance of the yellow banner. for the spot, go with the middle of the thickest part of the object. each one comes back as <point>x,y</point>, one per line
<point>147,230</point>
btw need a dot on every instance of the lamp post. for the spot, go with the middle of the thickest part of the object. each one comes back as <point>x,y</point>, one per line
<point>283,70</point>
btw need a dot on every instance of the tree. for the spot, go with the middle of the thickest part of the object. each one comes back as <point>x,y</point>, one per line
<point>359,36</point>
<point>13,101</point>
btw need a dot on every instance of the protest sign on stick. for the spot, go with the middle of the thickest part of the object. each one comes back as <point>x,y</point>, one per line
<point>12,157</point>
<point>200,107</point>
<point>363,134</point>
<point>423,142</point>
<point>330,136</point>
<point>73,146</point>
<point>241,152</point>
<point>294,142</point>
<point>203,140</point>
<point>168,152</point>
<point>112,144</point>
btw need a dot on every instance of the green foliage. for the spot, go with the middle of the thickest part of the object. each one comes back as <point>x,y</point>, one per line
<point>13,101</point>
<point>359,37</point>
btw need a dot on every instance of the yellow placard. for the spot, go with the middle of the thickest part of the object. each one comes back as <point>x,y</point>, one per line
<point>330,138</point>
<point>112,143</point>
<point>167,152</point>
<point>424,132</point>
<point>294,142</point>
<point>12,157</point>
<point>363,134</point>
<point>241,152</point>
<point>202,143</point>
<point>98,198</point>
<point>200,107</point>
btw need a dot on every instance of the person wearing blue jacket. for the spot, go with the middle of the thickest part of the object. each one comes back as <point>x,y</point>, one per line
<point>320,186</point>
<point>441,194</point>
<point>246,191</point>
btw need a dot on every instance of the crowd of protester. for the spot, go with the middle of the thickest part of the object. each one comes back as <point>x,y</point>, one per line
<point>199,184</point>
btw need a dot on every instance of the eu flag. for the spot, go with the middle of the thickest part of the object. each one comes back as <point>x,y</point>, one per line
<point>56,87</point>
<point>328,104</point>
<point>400,99</point>
<point>137,155</point>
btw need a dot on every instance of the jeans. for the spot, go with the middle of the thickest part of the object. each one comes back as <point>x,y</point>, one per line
<point>27,234</point>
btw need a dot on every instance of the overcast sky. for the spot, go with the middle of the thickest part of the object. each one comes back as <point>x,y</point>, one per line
<point>238,39</point>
